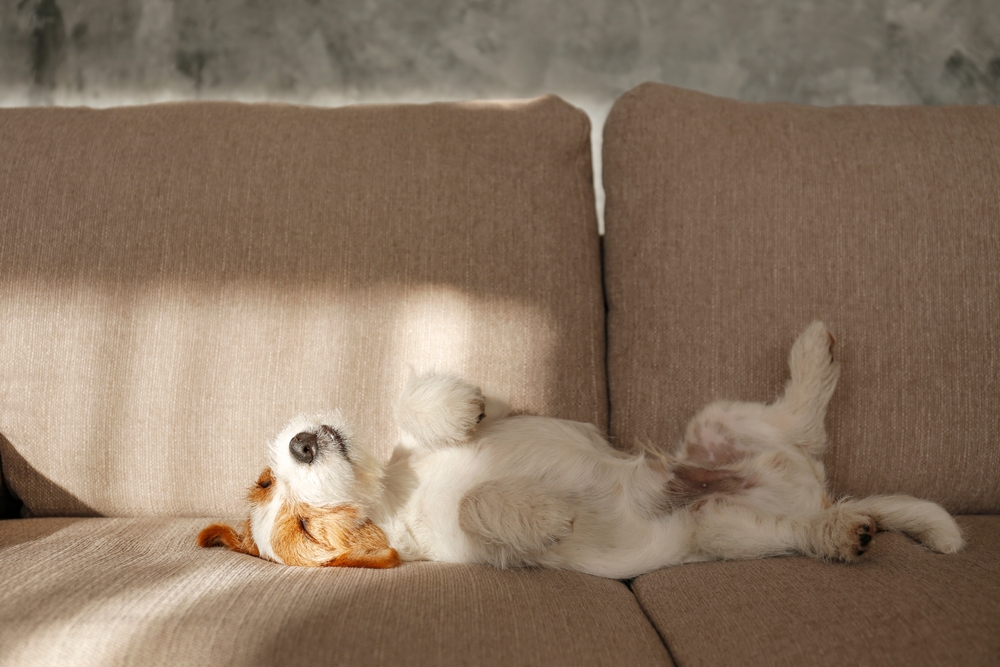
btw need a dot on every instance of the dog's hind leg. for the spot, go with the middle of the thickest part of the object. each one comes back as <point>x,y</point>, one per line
<point>737,531</point>
<point>731,531</point>
<point>440,409</point>
<point>841,532</point>
<point>724,432</point>
<point>814,374</point>
<point>514,520</point>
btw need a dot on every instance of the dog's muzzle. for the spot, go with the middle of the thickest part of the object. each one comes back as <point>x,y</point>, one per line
<point>306,446</point>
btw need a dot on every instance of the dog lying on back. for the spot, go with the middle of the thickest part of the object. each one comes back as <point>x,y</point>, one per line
<point>469,484</point>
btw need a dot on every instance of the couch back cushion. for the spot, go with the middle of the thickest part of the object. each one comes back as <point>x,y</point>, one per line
<point>177,281</point>
<point>730,226</point>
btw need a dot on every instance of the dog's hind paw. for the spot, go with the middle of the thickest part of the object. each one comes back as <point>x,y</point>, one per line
<point>843,534</point>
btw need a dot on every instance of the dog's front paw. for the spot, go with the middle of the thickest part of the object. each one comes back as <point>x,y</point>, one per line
<point>440,409</point>
<point>844,534</point>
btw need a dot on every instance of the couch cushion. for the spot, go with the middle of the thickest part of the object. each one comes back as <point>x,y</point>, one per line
<point>730,226</point>
<point>902,605</point>
<point>178,280</point>
<point>139,592</point>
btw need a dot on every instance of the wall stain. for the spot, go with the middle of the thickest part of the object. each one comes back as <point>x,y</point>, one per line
<point>969,77</point>
<point>192,65</point>
<point>994,69</point>
<point>79,34</point>
<point>47,42</point>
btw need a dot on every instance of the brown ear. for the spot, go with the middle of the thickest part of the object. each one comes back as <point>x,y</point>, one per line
<point>333,537</point>
<point>367,547</point>
<point>221,535</point>
<point>383,559</point>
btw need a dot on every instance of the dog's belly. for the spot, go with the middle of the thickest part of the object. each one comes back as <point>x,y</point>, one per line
<point>616,529</point>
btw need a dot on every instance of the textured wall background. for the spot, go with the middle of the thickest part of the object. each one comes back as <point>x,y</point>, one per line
<point>105,52</point>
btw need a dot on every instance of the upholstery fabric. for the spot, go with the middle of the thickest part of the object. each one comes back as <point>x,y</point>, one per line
<point>139,592</point>
<point>729,226</point>
<point>179,280</point>
<point>902,605</point>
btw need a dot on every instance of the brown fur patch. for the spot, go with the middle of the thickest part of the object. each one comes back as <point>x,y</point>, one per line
<point>708,480</point>
<point>311,536</point>
<point>379,561</point>
<point>261,491</point>
<point>221,535</point>
<point>691,483</point>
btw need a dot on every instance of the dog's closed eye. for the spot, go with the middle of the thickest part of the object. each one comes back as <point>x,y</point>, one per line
<point>331,436</point>
<point>261,491</point>
<point>304,527</point>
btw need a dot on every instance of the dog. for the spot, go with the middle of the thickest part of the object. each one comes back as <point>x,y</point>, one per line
<point>469,483</point>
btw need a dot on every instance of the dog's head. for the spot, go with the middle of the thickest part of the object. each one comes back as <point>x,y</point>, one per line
<point>311,505</point>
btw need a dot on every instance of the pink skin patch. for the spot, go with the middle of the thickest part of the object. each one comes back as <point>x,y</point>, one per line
<point>704,481</point>
<point>711,448</point>
<point>706,467</point>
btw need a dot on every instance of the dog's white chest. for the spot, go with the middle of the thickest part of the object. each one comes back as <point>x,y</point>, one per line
<point>431,514</point>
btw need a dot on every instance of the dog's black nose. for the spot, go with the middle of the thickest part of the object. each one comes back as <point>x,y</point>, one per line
<point>303,447</point>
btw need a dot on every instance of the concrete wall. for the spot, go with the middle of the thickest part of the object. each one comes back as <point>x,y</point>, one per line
<point>103,52</point>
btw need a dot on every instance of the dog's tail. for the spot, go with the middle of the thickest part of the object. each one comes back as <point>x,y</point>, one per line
<point>922,520</point>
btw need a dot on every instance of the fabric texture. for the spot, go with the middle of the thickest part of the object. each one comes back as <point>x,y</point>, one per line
<point>179,280</point>
<point>730,226</point>
<point>139,592</point>
<point>902,606</point>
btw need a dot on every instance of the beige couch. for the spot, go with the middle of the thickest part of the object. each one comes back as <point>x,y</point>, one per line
<point>178,280</point>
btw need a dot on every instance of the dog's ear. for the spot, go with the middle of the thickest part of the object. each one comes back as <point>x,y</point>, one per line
<point>383,559</point>
<point>367,547</point>
<point>221,535</point>
<point>332,537</point>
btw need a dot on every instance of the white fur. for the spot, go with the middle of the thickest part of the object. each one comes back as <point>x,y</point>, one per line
<point>330,481</point>
<point>746,482</point>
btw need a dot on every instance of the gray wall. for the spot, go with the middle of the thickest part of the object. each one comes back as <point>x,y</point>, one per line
<point>102,52</point>
<point>105,52</point>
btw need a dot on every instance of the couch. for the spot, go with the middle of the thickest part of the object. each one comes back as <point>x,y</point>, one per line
<point>178,280</point>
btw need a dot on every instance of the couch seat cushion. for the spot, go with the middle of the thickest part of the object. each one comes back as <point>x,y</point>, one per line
<point>902,605</point>
<point>139,592</point>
